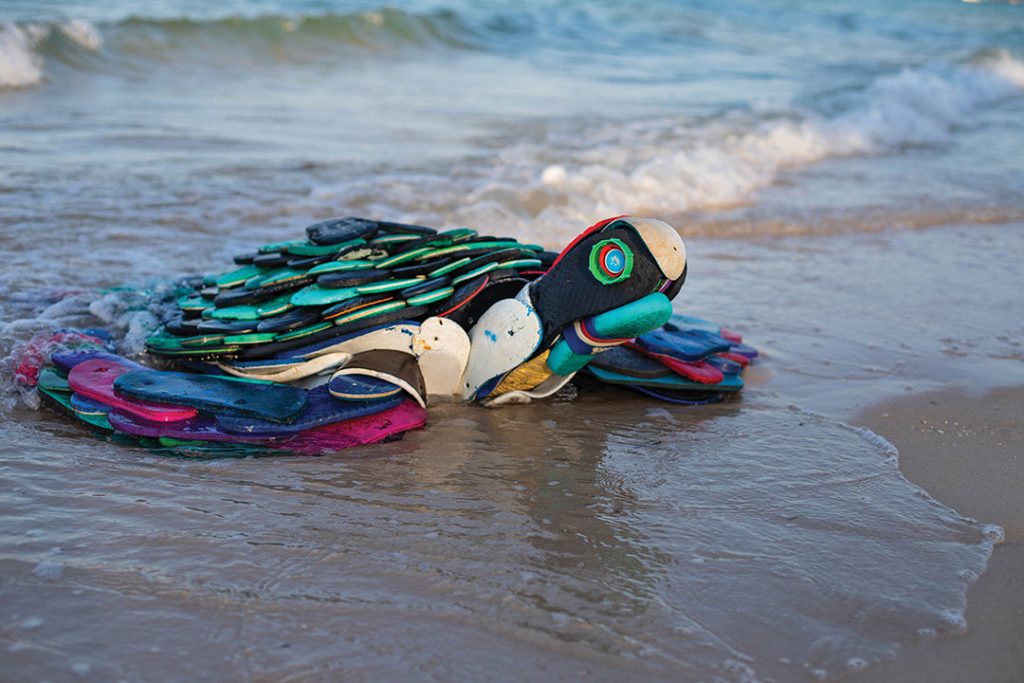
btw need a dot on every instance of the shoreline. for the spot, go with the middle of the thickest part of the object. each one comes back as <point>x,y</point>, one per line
<point>858,330</point>
<point>894,348</point>
<point>964,450</point>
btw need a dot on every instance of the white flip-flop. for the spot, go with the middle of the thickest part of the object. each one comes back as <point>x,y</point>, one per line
<point>290,373</point>
<point>442,350</point>
<point>507,334</point>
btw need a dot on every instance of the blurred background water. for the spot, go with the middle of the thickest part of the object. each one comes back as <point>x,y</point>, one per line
<point>155,121</point>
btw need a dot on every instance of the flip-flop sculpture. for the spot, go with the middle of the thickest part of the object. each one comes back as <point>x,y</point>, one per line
<point>347,336</point>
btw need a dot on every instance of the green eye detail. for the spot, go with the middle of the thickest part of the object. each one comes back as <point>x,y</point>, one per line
<point>611,261</point>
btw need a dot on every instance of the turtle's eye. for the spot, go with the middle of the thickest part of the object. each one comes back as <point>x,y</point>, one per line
<point>611,261</point>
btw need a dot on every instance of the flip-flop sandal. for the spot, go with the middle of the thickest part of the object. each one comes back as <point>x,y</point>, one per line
<point>321,409</point>
<point>442,350</point>
<point>397,367</point>
<point>95,378</point>
<point>215,394</point>
<point>386,425</point>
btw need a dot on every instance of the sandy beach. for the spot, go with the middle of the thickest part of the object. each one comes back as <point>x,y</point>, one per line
<point>966,450</point>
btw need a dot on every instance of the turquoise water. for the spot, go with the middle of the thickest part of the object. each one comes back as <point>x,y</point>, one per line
<point>209,119</point>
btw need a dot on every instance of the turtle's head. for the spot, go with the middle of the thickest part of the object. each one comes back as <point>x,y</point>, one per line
<point>613,263</point>
<point>625,268</point>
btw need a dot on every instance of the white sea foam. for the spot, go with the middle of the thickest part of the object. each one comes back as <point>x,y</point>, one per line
<point>954,620</point>
<point>21,65</point>
<point>993,533</point>
<point>683,168</point>
<point>127,312</point>
<point>1005,66</point>
<point>81,32</point>
<point>564,177</point>
<point>49,570</point>
<point>884,446</point>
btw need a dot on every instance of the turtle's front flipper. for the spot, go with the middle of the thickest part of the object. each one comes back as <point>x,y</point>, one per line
<point>507,334</point>
<point>585,338</point>
<point>579,344</point>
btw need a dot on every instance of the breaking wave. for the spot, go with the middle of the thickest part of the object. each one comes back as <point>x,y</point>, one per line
<point>686,168</point>
<point>25,47</point>
<point>22,47</point>
<point>568,174</point>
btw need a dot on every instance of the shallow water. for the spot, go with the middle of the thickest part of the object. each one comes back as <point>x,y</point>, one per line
<point>753,540</point>
<point>744,538</point>
<point>807,151</point>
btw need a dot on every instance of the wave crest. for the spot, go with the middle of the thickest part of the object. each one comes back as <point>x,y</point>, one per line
<point>687,169</point>
<point>22,47</point>
<point>25,47</point>
<point>19,64</point>
<point>368,29</point>
<point>570,174</point>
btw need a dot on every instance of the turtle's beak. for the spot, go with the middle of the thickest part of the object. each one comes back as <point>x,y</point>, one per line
<point>664,243</point>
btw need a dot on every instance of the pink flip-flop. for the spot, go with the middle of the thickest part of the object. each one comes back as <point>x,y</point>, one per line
<point>95,379</point>
<point>359,431</point>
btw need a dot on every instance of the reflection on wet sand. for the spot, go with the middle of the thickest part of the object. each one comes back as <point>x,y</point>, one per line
<point>607,535</point>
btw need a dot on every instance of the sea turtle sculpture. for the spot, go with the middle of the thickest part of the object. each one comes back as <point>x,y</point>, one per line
<point>345,337</point>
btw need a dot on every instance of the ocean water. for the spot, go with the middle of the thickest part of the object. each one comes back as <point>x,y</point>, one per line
<point>146,119</point>
<point>848,178</point>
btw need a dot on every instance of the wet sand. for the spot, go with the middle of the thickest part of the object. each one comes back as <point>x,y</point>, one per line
<point>608,536</point>
<point>967,451</point>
